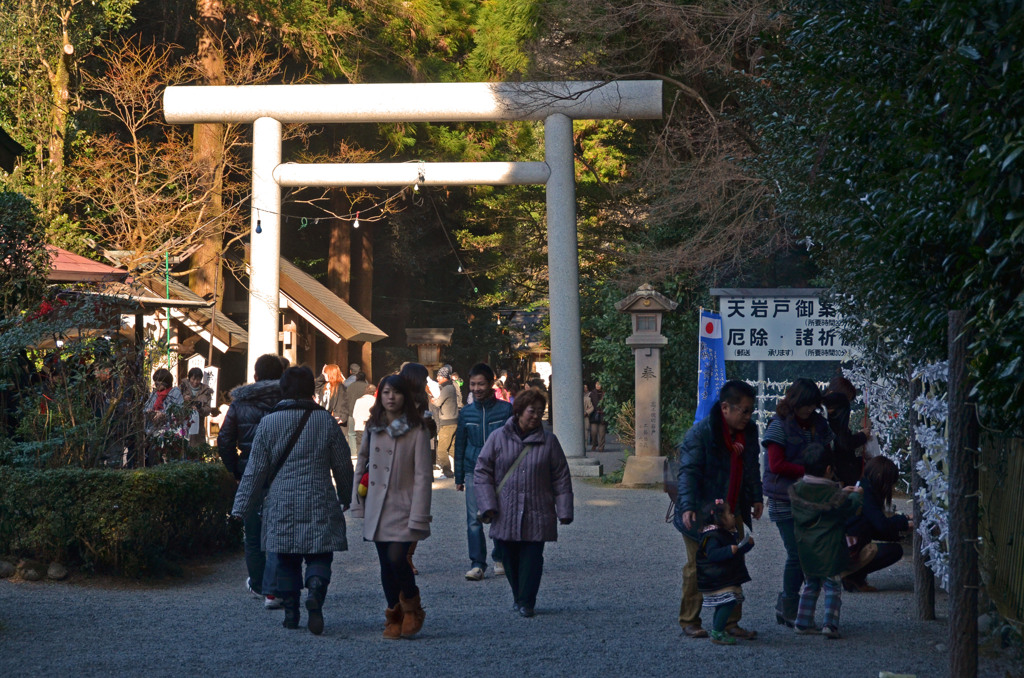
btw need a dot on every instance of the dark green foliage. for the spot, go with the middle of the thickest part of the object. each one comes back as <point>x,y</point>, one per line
<point>24,261</point>
<point>124,522</point>
<point>611,361</point>
<point>894,131</point>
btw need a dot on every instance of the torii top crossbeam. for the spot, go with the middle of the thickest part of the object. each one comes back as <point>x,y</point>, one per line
<point>267,107</point>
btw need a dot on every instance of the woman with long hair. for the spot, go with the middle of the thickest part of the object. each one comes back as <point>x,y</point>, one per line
<point>796,425</point>
<point>332,396</point>
<point>396,461</point>
<point>874,524</point>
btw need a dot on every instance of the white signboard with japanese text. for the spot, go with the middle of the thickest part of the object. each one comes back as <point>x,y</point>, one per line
<point>775,327</point>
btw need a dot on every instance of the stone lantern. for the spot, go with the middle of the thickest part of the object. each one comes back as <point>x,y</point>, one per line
<point>646,306</point>
<point>428,342</point>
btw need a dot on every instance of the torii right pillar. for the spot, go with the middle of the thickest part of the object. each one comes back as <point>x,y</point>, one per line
<point>645,306</point>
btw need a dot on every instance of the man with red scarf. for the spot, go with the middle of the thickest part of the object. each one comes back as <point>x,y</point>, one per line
<point>718,460</point>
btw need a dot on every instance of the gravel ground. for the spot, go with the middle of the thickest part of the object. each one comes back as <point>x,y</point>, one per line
<point>607,606</point>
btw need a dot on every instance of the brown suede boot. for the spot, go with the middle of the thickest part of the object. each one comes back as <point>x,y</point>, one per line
<point>413,615</point>
<point>393,623</point>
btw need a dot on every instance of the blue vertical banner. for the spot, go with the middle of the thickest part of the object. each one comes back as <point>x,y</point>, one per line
<point>710,362</point>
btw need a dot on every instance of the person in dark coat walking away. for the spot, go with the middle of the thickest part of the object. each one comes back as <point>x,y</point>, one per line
<point>297,449</point>
<point>718,460</point>
<point>874,524</point>
<point>249,404</point>
<point>524,490</point>
<point>477,421</point>
<point>820,509</point>
<point>796,425</point>
<point>395,470</point>
<point>721,569</point>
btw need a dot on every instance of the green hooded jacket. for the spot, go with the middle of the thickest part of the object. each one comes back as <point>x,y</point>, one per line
<point>820,512</point>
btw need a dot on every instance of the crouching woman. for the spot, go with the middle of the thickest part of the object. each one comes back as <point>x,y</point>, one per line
<point>296,449</point>
<point>524,490</point>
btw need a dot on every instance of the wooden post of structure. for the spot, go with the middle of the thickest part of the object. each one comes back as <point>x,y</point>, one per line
<point>924,579</point>
<point>963,509</point>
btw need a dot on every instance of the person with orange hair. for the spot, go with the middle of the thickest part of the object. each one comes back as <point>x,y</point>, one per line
<point>331,393</point>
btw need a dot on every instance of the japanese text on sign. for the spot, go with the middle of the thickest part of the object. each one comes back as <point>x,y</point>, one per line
<point>781,328</point>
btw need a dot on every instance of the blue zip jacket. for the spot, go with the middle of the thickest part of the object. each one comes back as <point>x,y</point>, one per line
<point>477,421</point>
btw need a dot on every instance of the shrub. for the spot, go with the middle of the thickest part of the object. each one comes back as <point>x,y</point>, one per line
<point>139,522</point>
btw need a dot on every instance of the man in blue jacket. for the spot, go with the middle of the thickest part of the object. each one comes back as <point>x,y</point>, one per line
<point>718,460</point>
<point>478,420</point>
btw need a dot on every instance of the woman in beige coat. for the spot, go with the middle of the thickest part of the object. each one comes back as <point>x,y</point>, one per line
<point>396,461</point>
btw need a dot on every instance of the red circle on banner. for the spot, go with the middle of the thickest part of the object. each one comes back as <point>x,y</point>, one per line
<point>709,328</point>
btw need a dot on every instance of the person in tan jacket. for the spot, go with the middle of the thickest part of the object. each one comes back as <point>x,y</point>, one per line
<point>394,502</point>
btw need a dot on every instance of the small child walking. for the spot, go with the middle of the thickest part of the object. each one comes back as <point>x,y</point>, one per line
<point>720,566</point>
<point>820,511</point>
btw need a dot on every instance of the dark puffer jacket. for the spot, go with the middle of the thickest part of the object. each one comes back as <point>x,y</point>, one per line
<point>704,466</point>
<point>794,439</point>
<point>717,565</point>
<point>249,404</point>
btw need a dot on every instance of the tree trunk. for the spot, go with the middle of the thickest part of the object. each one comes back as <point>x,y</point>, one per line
<point>208,148</point>
<point>339,269</point>
<point>924,579</point>
<point>963,508</point>
<point>60,90</point>
<point>362,288</point>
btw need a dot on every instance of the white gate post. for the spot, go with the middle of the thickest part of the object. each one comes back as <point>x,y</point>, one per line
<point>564,294</point>
<point>265,242</point>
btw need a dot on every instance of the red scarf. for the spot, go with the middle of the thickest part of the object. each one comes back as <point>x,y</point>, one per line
<point>160,396</point>
<point>735,442</point>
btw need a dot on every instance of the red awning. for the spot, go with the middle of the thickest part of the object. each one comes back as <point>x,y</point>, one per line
<point>69,267</point>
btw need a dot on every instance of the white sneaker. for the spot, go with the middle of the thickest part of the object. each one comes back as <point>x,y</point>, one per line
<point>499,569</point>
<point>272,603</point>
<point>248,587</point>
<point>475,574</point>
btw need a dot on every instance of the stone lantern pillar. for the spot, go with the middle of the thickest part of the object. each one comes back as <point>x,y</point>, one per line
<point>645,306</point>
<point>428,342</point>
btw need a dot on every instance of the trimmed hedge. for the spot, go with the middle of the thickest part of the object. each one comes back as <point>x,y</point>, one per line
<point>134,523</point>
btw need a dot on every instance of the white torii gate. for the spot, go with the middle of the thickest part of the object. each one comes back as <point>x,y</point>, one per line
<point>267,107</point>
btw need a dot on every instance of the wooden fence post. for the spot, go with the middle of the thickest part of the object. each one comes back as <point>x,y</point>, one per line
<point>924,579</point>
<point>963,508</point>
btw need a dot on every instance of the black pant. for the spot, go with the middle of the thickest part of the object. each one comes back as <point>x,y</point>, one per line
<point>888,553</point>
<point>524,564</point>
<point>395,574</point>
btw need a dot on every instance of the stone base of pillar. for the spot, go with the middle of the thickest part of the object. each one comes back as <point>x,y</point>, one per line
<point>641,471</point>
<point>585,467</point>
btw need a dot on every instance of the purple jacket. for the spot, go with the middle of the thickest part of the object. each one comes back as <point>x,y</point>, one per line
<point>538,494</point>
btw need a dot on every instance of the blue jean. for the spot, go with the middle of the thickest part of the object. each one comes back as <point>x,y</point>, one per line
<point>255,559</point>
<point>287,568</point>
<point>792,574</point>
<point>475,531</point>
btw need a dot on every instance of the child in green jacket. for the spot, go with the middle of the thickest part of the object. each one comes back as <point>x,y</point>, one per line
<point>820,510</point>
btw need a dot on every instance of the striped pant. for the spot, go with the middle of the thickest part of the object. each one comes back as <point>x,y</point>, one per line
<point>809,601</point>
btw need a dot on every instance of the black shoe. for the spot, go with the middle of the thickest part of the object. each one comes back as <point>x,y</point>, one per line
<point>526,611</point>
<point>317,592</point>
<point>291,611</point>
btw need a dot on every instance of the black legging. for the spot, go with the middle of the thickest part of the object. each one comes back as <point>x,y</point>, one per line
<point>395,574</point>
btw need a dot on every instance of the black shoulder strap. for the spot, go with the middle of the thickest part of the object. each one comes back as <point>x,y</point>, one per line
<point>288,450</point>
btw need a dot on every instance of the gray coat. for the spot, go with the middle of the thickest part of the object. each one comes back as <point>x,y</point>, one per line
<point>302,512</point>
<point>401,468</point>
<point>535,497</point>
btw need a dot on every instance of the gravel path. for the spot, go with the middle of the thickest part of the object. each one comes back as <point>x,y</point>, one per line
<point>607,606</point>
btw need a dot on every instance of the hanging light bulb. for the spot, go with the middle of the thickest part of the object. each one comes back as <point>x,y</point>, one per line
<point>460,268</point>
<point>259,227</point>
<point>355,224</point>
<point>499,321</point>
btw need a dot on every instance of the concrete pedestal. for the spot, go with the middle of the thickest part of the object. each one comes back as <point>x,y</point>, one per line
<point>584,467</point>
<point>644,470</point>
